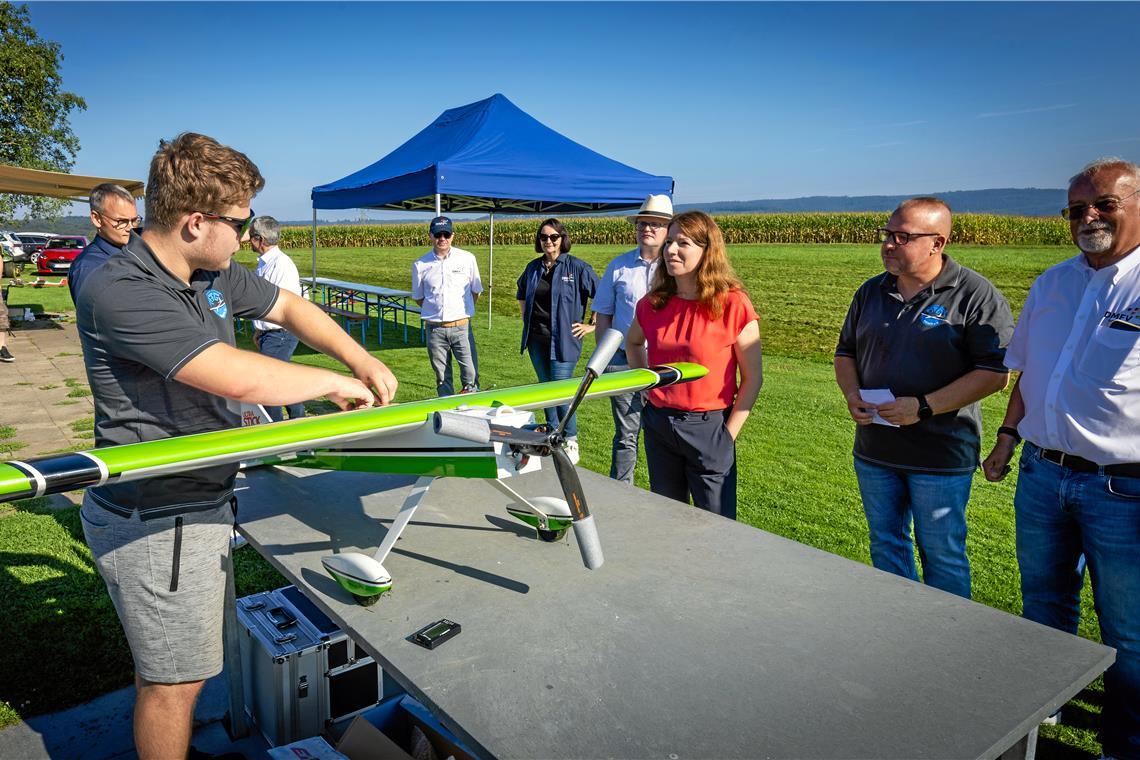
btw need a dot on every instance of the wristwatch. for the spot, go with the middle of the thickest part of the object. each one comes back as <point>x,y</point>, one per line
<point>924,410</point>
<point>1011,432</point>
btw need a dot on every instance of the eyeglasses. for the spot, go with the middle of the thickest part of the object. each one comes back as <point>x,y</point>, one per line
<point>651,225</point>
<point>898,237</point>
<point>1109,205</point>
<point>121,224</point>
<point>444,235</point>
<point>239,224</point>
<point>550,238</point>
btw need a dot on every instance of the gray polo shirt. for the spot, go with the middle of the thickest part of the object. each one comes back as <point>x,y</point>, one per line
<point>960,323</point>
<point>139,325</point>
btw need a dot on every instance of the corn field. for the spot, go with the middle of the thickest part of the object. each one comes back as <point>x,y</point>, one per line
<point>977,229</point>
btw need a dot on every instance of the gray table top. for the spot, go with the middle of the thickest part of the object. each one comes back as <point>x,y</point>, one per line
<point>698,637</point>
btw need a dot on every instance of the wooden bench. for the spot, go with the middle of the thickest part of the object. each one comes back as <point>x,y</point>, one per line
<point>349,318</point>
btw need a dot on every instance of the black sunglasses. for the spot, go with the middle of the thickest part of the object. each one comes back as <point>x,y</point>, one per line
<point>1109,205</point>
<point>550,238</point>
<point>899,237</point>
<point>444,235</point>
<point>239,224</point>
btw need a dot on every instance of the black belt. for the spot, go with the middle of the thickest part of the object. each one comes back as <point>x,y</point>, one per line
<point>1080,464</point>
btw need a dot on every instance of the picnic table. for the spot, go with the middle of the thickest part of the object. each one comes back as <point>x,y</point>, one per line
<point>340,298</point>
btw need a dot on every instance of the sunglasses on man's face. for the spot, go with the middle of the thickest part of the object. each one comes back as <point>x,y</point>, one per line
<point>1109,205</point>
<point>550,238</point>
<point>444,235</point>
<point>240,225</point>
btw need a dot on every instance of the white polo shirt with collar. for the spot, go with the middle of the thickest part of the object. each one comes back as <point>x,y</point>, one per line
<point>276,267</point>
<point>448,285</point>
<point>1077,344</point>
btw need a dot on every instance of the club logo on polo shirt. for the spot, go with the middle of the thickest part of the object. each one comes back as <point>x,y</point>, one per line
<point>1127,320</point>
<point>217,303</point>
<point>933,315</point>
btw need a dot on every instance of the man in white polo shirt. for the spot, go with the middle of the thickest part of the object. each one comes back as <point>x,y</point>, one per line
<point>629,277</point>
<point>273,265</point>
<point>446,285</point>
<point>1077,407</point>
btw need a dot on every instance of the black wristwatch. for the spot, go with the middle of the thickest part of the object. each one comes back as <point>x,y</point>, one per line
<point>924,410</point>
<point>1011,432</point>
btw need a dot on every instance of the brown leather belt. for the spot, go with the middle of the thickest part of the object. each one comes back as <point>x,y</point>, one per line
<point>1080,464</point>
<point>453,323</point>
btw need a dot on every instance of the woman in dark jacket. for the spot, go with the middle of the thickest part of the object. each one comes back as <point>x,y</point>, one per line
<point>553,292</point>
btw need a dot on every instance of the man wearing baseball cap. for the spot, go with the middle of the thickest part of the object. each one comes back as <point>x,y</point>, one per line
<point>629,277</point>
<point>446,285</point>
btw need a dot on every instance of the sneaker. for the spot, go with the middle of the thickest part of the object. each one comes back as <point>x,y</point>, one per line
<point>1052,720</point>
<point>6,355</point>
<point>571,447</point>
<point>470,389</point>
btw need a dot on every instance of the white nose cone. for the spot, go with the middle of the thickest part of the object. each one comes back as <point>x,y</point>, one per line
<point>358,574</point>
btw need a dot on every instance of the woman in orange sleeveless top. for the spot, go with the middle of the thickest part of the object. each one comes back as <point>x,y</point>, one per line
<point>697,311</point>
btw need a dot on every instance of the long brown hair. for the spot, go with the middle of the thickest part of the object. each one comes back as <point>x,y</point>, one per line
<point>715,276</point>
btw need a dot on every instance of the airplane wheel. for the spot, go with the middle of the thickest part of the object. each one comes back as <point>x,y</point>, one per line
<point>366,601</point>
<point>551,536</point>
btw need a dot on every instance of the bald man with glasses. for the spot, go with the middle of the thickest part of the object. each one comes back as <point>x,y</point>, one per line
<point>922,344</point>
<point>113,215</point>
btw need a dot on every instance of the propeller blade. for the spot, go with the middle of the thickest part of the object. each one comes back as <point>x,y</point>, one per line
<point>585,529</point>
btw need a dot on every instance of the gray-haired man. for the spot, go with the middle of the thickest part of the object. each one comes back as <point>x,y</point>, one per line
<point>114,215</point>
<point>276,267</point>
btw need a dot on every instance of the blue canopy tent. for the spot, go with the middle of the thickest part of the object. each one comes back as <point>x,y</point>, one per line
<point>490,157</point>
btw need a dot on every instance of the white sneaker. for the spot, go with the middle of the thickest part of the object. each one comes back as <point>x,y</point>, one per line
<point>571,447</point>
<point>1052,720</point>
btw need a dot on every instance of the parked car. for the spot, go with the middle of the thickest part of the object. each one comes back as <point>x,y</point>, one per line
<point>34,242</point>
<point>57,256</point>
<point>12,253</point>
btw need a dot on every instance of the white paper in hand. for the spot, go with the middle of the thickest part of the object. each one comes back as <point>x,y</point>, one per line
<point>878,396</point>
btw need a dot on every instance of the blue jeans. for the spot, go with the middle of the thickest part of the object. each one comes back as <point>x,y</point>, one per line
<point>280,344</point>
<point>937,505</point>
<point>442,343</point>
<point>1066,518</point>
<point>551,369</point>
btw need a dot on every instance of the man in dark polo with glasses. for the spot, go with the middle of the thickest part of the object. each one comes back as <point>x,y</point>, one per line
<point>114,215</point>
<point>922,344</point>
<point>156,323</point>
<point>1076,405</point>
<point>446,286</point>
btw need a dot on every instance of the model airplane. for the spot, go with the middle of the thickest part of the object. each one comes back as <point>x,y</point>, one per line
<point>489,434</point>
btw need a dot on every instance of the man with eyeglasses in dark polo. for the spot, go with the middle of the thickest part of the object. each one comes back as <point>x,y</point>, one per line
<point>114,215</point>
<point>626,281</point>
<point>922,344</point>
<point>157,326</point>
<point>446,287</point>
<point>1076,405</point>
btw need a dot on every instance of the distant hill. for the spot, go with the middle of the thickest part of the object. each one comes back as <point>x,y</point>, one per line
<point>1030,201</point>
<point>1007,201</point>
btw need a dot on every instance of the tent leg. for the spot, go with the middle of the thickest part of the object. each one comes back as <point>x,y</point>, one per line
<point>313,284</point>
<point>438,206</point>
<point>491,272</point>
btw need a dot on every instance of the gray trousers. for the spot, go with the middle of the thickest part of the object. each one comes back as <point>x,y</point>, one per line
<point>442,342</point>
<point>626,410</point>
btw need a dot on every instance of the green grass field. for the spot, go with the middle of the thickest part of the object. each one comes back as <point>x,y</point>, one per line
<point>796,477</point>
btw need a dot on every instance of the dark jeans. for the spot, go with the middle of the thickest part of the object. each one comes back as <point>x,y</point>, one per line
<point>551,369</point>
<point>280,344</point>
<point>1065,519</point>
<point>626,411</point>
<point>691,453</point>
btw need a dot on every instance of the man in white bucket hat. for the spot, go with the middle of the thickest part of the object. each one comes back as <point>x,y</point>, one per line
<point>628,277</point>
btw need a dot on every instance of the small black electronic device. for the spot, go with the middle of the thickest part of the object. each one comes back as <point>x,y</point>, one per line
<point>434,634</point>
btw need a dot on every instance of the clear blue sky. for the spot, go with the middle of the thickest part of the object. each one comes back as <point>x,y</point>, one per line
<point>735,101</point>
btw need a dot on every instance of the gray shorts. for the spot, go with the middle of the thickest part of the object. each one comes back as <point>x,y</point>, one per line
<point>170,608</point>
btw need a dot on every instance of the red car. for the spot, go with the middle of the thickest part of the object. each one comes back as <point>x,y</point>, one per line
<point>57,256</point>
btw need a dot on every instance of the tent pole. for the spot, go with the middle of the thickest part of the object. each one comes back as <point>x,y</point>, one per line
<point>313,284</point>
<point>491,272</point>
<point>438,207</point>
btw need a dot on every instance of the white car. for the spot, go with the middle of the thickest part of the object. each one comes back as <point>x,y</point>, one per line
<point>12,251</point>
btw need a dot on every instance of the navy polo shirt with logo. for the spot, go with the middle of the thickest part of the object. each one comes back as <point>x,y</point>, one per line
<point>139,325</point>
<point>959,323</point>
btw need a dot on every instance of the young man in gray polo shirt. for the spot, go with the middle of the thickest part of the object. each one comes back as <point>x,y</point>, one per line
<point>156,322</point>
<point>933,334</point>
